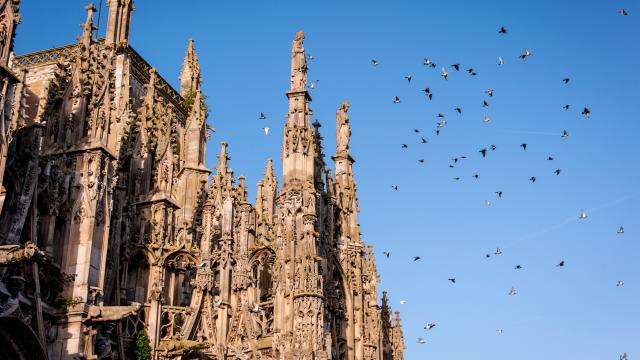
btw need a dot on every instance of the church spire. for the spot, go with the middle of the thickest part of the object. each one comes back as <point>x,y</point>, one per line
<point>190,73</point>
<point>119,22</point>
<point>299,148</point>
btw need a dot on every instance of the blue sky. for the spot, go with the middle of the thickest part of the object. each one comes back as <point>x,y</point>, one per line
<point>574,312</point>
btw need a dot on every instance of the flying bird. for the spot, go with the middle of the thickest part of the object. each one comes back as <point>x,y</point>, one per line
<point>396,100</point>
<point>310,57</point>
<point>404,146</point>
<point>402,302</point>
<point>499,331</point>
<point>489,92</point>
<point>623,12</point>
<point>566,80</point>
<point>312,86</point>
<point>518,267</point>
<point>586,112</point>
<point>486,118</point>
<point>266,130</point>
<point>499,193</point>
<point>566,107</point>
<point>483,152</point>
<point>558,171</point>
<point>375,62</point>
<point>440,115</point>
<point>428,93</point>
<point>500,61</point>
<point>502,30</point>
<point>429,326</point>
<point>487,202</point>
<point>472,72</point>
<point>525,55</point>
<point>421,340</point>
<point>421,161</point>
<point>456,178</point>
<point>550,158</point>
<point>621,230</point>
<point>423,140</point>
<point>386,253</point>
<point>262,116</point>
<point>561,263</point>
<point>476,175</point>
<point>512,291</point>
<point>532,179</point>
<point>445,74</point>
<point>458,109</point>
<point>498,251</point>
<point>583,214</point>
<point>485,103</point>
<point>523,146</point>
<point>565,133</point>
<point>493,147</point>
<point>408,78</point>
<point>416,258</point>
<point>428,62</point>
<point>394,187</point>
<point>619,283</point>
<point>453,280</point>
<point>456,66</point>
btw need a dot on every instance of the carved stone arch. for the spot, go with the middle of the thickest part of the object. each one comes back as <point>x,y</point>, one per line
<point>261,265</point>
<point>138,279</point>
<point>18,341</point>
<point>179,274</point>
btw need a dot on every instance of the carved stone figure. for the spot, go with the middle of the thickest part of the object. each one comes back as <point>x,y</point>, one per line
<point>343,129</point>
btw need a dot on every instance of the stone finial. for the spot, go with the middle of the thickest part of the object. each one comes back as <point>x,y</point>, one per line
<point>87,27</point>
<point>223,157</point>
<point>190,77</point>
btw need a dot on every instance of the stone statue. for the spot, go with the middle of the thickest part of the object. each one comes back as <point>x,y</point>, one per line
<point>112,313</point>
<point>343,129</point>
<point>298,63</point>
<point>10,254</point>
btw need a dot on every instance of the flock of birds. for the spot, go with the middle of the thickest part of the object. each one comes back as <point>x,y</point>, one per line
<point>484,152</point>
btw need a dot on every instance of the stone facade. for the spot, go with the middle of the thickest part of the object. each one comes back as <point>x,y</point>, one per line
<point>112,227</point>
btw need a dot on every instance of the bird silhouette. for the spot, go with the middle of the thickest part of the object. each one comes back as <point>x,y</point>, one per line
<point>566,80</point>
<point>375,62</point>
<point>558,171</point>
<point>518,267</point>
<point>458,109</point>
<point>262,116</point>
<point>532,179</point>
<point>386,253</point>
<point>408,78</point>
<point>423,140</point>
<point>623,12</point>
<point>499,193</point>
<point>429,326</point>
<point>396,100</point>
<point>444,74</point>
<point>565,134</point>
<point>621,230</point>
<point>586,112</point>
<point>561,263</point>
<point>502,30</point>
<point>483,152</point>
<point>456,66</point>
<point>489,92</point>
<point>619,283</point>
<point>453,280</point>
<point>583,214</point>
<point>428,62</point>
<point>428,93</point>
<point>416,258</point>
<point>525,54</point>
<point>500,61</point>
<point>404,146</point>
<point>512,292</point>
<point>523,146</point>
